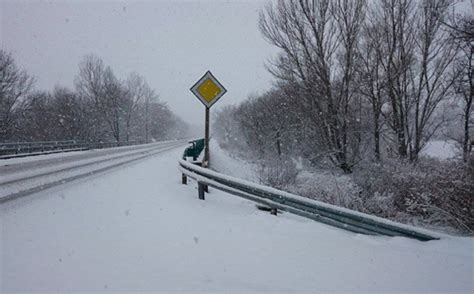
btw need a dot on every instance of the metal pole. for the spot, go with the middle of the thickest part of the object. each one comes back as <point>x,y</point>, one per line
<point>206,139</point>
<point>206,146</point>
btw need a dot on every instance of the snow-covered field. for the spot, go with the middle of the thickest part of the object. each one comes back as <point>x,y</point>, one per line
<point>440,149</point>
<point>138,229</point>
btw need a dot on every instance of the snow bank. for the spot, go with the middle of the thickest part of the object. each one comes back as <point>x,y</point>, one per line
<point>440,149</point>
<point>223,162</point>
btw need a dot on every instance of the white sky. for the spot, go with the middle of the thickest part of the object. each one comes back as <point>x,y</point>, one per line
<point>171,43</point>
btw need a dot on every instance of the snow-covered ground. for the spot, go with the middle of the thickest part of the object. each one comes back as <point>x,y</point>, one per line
<point>138,229</point>
<point>440,149</point>
<point>221,161</point>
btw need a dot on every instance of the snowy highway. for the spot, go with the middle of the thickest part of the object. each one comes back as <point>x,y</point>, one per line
<point>23,176</point>
<point>136,228</point>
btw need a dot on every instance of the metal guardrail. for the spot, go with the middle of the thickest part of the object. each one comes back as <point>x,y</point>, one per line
<point>18,149</point>
<point>279,200</point>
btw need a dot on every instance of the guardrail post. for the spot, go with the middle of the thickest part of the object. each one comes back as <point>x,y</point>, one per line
<point>184,179</point>
<point>201,191</point>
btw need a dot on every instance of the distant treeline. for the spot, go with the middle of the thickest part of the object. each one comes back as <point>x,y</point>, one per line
<point>101,107</point>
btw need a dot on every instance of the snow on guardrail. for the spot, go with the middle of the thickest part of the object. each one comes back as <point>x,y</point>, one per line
<point>332,215</point>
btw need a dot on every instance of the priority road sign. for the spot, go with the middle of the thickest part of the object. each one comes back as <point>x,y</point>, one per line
<point>208,89</point>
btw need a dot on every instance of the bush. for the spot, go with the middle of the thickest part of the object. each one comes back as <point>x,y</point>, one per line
<point>277,173</point>
<point>329,186</point>
<point>436,193</point>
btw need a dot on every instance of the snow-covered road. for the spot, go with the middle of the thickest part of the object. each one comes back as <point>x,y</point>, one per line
<point>22,176</point>
<point>138,229</point>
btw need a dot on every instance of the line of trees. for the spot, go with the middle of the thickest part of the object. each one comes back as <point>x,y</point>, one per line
<point>100,108</point>
<point>358,79</point>
<point>361,86</point>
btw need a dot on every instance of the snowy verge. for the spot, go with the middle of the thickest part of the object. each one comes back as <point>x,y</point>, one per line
<point>222,161</point>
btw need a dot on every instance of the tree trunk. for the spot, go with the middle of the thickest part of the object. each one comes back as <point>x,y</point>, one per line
<point>278,143</point>
<point>467,142</point>
<point>127,137</point>
<point>377,138</point>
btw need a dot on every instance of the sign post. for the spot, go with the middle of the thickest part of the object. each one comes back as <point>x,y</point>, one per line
<point>208,90</point>
<point>206,139</point>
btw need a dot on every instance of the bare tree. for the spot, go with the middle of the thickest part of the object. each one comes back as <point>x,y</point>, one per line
<point>72,115</point>
<point>462,32</point>
<point>98,83</point>
<point>113,103</point>
<point>395,51</point>
<point>90,81</point>
<point>415,55</point>
<point>349,16</point>
<point>138,91</point>
<point>319,43</point>
<point>150,97</point>
<point>15,84</point>
<point>432,83</point>
<point>371,80</point>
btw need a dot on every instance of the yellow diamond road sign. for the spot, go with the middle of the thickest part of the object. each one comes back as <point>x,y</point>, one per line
<point>208,89</point>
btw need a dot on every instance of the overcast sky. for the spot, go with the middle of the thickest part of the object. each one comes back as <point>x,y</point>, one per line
<point>171,43</point>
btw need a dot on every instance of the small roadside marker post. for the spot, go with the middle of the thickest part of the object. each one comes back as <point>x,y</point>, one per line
<point>208,90</point>
<point>201,191</point>
<point>184,179</point>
